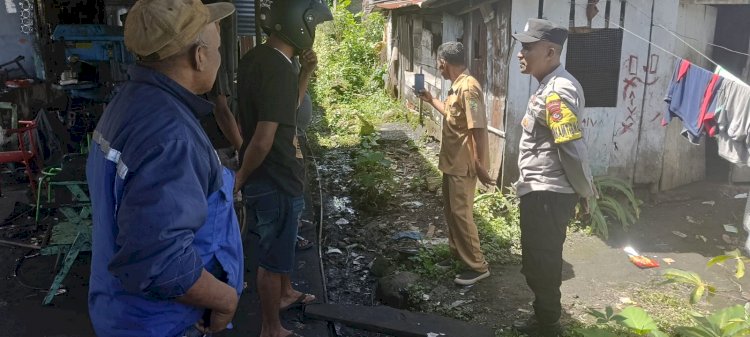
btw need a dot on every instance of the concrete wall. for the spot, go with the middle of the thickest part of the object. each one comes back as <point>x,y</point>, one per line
<point>13,41</point>
<point>628,140</point>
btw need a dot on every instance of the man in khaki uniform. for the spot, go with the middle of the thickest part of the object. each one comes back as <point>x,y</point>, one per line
<point>554,170</point>
<point>463,159</point>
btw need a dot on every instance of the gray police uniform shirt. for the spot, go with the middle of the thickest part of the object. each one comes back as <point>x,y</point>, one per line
<point>553,155</point>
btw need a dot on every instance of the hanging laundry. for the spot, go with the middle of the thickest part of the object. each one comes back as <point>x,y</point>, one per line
<point>691,98</point>
<point>727,75</point>
<point>731,122</point>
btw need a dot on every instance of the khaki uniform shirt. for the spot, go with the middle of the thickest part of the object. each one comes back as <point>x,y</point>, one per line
<point>464,110</point>
<point>552,154</point>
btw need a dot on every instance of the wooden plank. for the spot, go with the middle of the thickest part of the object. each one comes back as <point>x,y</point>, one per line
<point>496,92</point>
<point>399,323</point>
<point>417,41</point>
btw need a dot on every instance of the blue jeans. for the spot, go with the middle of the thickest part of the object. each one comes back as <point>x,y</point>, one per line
<point>276,216</point>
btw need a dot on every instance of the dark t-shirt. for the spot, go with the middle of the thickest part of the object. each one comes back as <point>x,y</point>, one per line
<point>224,79</point>
<point>268,91</point>
<point>221,88</point>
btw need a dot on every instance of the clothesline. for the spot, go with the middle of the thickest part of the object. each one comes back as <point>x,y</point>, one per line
<point>647,15</point>
<point>657,45</point>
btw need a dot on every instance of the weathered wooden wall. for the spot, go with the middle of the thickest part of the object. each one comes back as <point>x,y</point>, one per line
<point>489,30</point>
<point>627,141</point>
<point>496,87</point>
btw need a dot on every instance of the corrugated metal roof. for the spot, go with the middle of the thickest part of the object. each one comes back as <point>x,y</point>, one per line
<point>245,17</point>
<point>390,4</point>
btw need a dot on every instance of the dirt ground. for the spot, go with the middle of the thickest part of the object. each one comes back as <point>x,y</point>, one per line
<point>597,273</point>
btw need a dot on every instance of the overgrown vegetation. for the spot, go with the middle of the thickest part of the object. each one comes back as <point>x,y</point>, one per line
<point>349,85</point>
<point>732,321</point>
<point>497,216</point>
<point>374,184</point>
<point>617,202</point>
<point>349,88</point>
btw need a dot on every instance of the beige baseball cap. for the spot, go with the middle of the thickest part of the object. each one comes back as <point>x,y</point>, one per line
<point>157,29</point>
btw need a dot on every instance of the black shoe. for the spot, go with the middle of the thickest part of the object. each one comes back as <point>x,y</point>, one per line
<point>532,328</point>
<point>470,277</point>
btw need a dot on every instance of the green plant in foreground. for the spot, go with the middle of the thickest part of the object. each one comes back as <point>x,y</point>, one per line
<point>424,263</point>
<point>374,185</point>
<point>733,321</point>
<point>611,191</point>
<point>497,215</point>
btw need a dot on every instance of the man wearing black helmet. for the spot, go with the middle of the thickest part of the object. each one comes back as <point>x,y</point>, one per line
<point>271,173</point>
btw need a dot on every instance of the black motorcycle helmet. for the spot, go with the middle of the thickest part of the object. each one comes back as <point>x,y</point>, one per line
<point>294,20</point>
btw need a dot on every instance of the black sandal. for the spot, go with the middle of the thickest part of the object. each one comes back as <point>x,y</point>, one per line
<point>303,244</point>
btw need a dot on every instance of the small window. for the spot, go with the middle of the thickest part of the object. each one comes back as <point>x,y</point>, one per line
<point>593,58</point>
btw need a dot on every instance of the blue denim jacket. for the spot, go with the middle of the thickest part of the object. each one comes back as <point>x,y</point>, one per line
<point>162,210</point>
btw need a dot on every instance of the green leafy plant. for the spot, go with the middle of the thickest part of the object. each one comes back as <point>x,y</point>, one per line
<point>616,201</point>
<point>374,185</point>
<point>733,321</point>
<point>735,255</point>
<point>727,322</point>
<point>349,83</point>
<point>634,319</point>
<point>692,279</point>
<point>424,263</point>
<point>497,215</point>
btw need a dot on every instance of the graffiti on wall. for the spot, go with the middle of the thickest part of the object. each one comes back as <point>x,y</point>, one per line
<point>632,91</point>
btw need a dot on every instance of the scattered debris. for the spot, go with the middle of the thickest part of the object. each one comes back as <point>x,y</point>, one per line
<point>458,303</point>
<point>414,235</point>
<point>625,300</point>
<point>435,334</point>
<point>690,219</point>
<point>425,297</point>
<point>342,222</point>
<point>465,289</point>
<point>524,311</point>
<point>430,231</point>
<point>412,204</point>
<point>701,237</point>
<point>668,260</point>
<point>332,250</point>
<point>728,239</point>
<point>641,261</point>
<point>680,234</point>
<point>710,203</point>
<point>741,196</point>
<point>731,229</point>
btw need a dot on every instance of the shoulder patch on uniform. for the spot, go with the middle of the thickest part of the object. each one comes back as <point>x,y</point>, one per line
<point>474,104</point>
<point>562,121</point>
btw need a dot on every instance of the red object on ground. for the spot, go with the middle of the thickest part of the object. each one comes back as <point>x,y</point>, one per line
<point>643,262</point>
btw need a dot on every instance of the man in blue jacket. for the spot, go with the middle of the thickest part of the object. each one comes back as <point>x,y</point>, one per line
<point>167,254</point>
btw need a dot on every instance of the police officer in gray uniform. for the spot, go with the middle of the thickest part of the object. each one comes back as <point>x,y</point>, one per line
<point>554,170</point>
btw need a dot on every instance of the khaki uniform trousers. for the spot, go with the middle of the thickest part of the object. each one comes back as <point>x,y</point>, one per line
<point>463,238</point>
